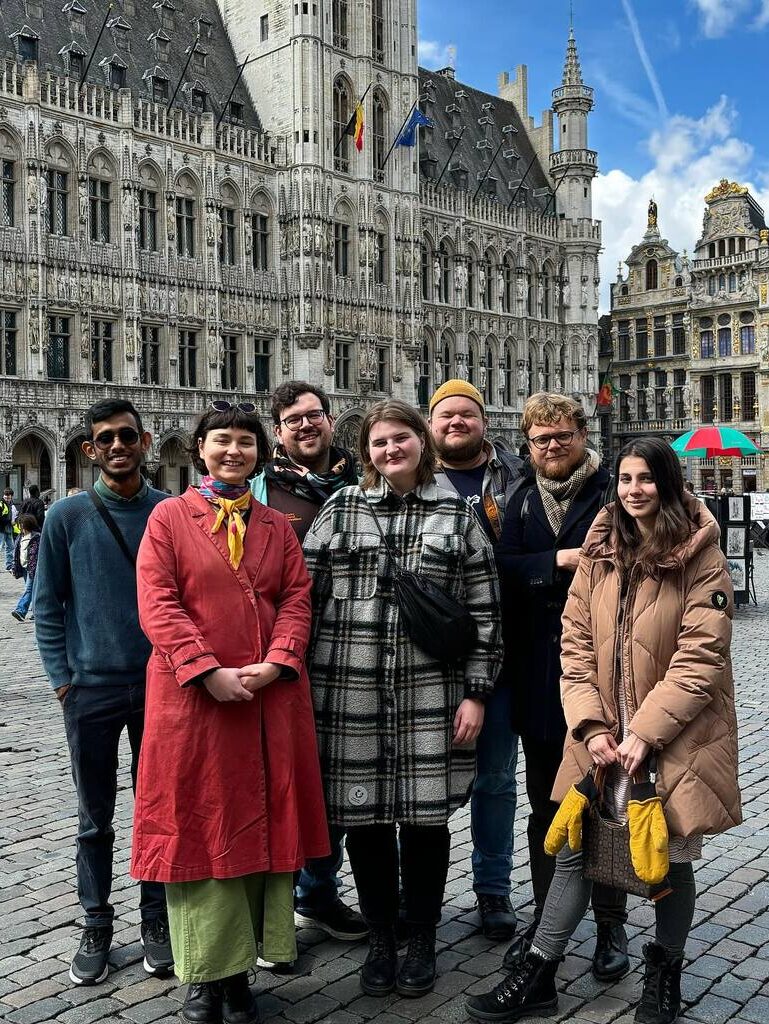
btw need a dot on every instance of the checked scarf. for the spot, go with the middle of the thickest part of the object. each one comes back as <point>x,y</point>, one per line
<point>231,502</point>
<point>315,487</point>
<point>557,495</point>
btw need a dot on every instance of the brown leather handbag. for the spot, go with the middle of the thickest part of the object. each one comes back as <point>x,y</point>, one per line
<point>606,851</point>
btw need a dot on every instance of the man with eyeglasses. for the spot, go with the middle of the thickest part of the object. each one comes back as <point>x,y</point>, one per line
<point>545,525</point>
<point>95,656</point>
<point>303,474</point>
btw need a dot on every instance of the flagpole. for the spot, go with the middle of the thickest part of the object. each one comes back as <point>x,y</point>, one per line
<point>520,183</point>
<point>93,51</point>
<point>552,196</point>
<point>241,69</point>
<point>400,130</point>
<point>451,154</point>
<point>345,132</point>
<point>488,169</point>
<point>606,376</point>
<point>184,69</point>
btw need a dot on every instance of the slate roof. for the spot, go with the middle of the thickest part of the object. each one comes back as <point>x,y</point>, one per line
<point>483,116</point>
<point>130,32</point>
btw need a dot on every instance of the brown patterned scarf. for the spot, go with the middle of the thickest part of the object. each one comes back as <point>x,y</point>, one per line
<point>557,495</point>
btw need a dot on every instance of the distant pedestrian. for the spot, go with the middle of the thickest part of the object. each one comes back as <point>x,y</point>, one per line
<point>229,800</point>
<point>8,516</point>
<point>34,505</point>
<point>397,725</point>
<point>25,564</point>
<point>95,656</point>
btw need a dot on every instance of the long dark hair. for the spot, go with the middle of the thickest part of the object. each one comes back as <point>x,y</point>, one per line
<point>215,419</point>
<point>672,526</point>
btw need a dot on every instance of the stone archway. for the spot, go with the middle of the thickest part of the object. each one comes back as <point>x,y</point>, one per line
<point>347,431</point>
<point>33,461</point>
<point>79,470</point>
<point>173,472</point>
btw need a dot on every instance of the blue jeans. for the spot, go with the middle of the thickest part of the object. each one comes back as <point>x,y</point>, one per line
<point>94,718</point>
<point>7,541</point>
<point>28,597</point>
<point>492,805</point>
<point>318,882</point>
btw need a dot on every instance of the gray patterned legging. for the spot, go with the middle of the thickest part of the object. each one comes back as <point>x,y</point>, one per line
<point>569,896</point>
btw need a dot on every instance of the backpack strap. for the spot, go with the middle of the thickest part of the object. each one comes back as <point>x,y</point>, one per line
<point>111,525</point>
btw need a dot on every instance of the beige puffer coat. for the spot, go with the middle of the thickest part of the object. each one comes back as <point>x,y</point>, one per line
<point>674,635</point>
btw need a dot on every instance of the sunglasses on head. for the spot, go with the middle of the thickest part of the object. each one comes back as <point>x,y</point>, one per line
<point>226,406</point>
<point>126,435</point>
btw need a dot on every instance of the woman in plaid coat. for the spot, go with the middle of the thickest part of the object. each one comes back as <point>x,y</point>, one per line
<point>396,728</point>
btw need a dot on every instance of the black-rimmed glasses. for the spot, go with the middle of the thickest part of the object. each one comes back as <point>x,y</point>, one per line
<point>563,440</point>
<point>126,435</point>
<point>313,417</point>
<point>222,406</point>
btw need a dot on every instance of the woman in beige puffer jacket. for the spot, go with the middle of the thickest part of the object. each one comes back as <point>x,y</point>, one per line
<point>645,669</point>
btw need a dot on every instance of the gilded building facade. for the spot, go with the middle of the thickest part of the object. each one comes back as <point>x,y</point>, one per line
<point>183,219</point>
<point>690,337</point>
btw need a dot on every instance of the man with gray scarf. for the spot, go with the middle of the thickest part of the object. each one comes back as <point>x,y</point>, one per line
<point>545,525</point>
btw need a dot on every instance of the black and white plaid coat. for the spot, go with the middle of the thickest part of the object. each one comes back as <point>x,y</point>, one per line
<point>384,709</point>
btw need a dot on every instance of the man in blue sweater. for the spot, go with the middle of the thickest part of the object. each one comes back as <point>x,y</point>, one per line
<point>95,655</point>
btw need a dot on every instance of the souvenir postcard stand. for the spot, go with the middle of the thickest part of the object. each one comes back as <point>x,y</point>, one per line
<point>734,520</point>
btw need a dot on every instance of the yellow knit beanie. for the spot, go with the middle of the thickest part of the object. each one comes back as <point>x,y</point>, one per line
<point>457,389</point>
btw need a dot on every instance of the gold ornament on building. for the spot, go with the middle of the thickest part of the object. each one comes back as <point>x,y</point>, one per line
<point>724,189</point>
<point>651,221</point>
<point>763,235</point>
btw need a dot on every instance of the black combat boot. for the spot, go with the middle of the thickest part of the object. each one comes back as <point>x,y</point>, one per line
<point>610,959</point>
<point>203,1003</point>
<point>377,975</point>
<point>661,997</point>
<point>417,975</point>
<point>520,946</point>
<point>238,1001</point>
<point>529,991</point>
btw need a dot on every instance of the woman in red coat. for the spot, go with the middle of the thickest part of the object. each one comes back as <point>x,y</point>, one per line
<point>229,800</point>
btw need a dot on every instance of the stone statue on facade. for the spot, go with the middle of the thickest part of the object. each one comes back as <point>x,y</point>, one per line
<point>686,399</point>
<point>650,393</point>
<point>34,332</point>
<point>566,293</point>
<point>462,369</point>
<point>583,297</point>
<point>482,374</point>
<point>32,190</point>
<point>521,377</point>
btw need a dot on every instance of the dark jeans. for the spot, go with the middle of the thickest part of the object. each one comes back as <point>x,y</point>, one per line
<point>317,884</point>
<point>94,718</point>
<point>424,864</point>
<point>542,763</point>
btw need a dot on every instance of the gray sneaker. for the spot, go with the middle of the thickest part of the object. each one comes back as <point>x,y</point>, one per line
<point>89,966</point>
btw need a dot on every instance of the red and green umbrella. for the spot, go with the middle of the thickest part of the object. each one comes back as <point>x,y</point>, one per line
<point>709,442</point>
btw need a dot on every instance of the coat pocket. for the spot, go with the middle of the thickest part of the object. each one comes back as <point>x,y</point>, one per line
<point>354,565</point>
<point>441,560</point>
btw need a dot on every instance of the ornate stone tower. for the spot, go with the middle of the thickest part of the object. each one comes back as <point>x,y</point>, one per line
<point>349,222</point>
<point>573,167</point>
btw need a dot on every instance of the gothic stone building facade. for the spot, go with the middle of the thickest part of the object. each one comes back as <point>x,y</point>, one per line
<point>180,222</point>
<point>690,337</point>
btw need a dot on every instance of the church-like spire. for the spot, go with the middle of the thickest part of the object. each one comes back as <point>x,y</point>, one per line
<point>572,72</point>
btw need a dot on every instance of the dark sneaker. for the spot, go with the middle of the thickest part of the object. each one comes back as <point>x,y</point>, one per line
<point>338,921</point>
<point>498,919</point>
<point>89,966</point>
<point>18,616</point>
<point>203,1003</point>
<point>158,958</point>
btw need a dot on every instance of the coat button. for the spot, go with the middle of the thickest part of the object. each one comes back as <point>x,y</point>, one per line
<point>389,651</point>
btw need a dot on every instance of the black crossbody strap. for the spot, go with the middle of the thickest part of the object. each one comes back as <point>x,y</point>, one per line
<point>111,525</point>
<point>388,549</point>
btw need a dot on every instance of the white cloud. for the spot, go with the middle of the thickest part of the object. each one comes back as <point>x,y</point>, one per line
<point>690,156</point>
<point>434,55</point>
<point>718,16</point>
<point>762,18</point>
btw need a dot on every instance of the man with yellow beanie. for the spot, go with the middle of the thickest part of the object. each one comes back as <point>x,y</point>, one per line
<point>487,478</point>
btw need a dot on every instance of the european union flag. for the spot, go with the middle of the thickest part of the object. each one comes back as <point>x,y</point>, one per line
<point>408,136</point>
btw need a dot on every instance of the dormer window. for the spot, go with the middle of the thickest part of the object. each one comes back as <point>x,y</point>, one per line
<point>198,97</point>
<point>204,28</point>
<point>235,110</point>
<point>74,59</point>
<point>165,10</point>
<point>159,89</point>
<point>199,57</point>
<point>162,44</point>
<point>26,42</point>
<point>76,14</point>
<point>120,32</point>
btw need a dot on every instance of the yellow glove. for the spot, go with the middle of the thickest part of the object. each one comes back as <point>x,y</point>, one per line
<point>648,834</point>
<point>567,823</point>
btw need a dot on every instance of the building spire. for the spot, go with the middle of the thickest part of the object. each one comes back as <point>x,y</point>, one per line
<point>572,72</point>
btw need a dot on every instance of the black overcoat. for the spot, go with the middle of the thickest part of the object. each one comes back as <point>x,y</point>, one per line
<point>534,593</point>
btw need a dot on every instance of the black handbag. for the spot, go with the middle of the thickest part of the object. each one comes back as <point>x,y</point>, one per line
<point>436,622</point>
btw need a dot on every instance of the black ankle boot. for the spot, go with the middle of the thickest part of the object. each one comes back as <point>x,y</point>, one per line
<point>520,946</point>
<point>661,997</point>
<point>238,1001</point>
<point>377,975</point>
<point>417,975</point>
<point>528,991</point>
<point>610,959</point>
<point>203,1003</point>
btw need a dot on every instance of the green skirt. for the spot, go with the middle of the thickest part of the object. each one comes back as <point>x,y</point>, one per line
<point>219,925</point>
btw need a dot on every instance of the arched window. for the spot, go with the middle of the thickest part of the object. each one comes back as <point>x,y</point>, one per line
<point>427,269</point>
<point>547,291</point>
<point>261,232</point>
<point>11,170</point>
<point>187,213</point>
<point>381,249</point>
<point>379,135</point>
<point>447,354</point>
<point>509,372</point>
<point>732,282</point>
<point>487,298</point>
<point>425,379</point>
<point>472,278</point>
<point>732,246</point>
<point>712,251</point>
<point>228,233</point>
<point>377,31</point>
<point>472,360</point>
<point>59,176</point>
<point>444,276</point>
<point>339,24</point>
<point>342,112</point>
<point>508,284</point>
<point>150,203</point>
<point>101,183</point>
<point>651,275</point>
<point>547,371</point>
<point>531,289</point>
<point>490,391</point>
<point>343,241</point>
<point>722,247</point>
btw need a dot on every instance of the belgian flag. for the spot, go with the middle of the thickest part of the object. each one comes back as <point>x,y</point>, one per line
<point>355,126</point>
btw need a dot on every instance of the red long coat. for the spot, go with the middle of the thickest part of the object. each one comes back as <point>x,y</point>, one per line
<point>224,789</point>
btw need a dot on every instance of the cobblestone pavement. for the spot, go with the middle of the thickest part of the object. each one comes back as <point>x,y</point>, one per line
<point>726,980</point>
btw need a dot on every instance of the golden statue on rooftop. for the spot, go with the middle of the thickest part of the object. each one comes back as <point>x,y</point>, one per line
<point>724,189</point>
<point>652,218</point>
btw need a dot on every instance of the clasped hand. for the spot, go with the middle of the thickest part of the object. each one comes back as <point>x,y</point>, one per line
<point>631,753</point>
<point>232,684</point>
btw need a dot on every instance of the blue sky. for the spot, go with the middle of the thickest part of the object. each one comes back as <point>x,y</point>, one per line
<point>681,94</point>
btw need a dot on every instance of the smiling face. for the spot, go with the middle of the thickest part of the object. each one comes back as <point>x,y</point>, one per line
<point>556,449</point>
<point>230,454</point>
<point>306,443</point>
<point>637,491</point>
<point>458,427</point>
<point>395,451</point>
<point>117,447</point>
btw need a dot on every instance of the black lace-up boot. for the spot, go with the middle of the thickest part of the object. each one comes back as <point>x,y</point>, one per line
<point>661,997</point>
<point>417,975</point>
<point>377,975</point>
<point>529,991</point>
